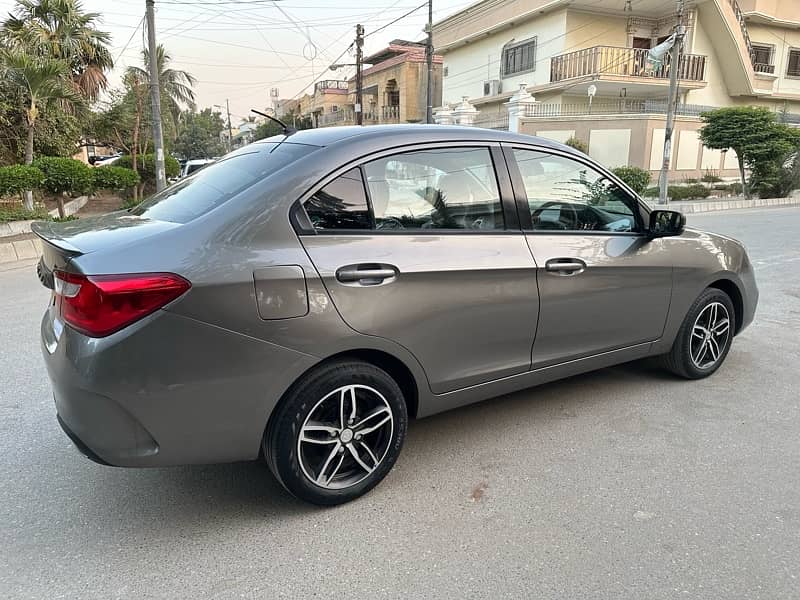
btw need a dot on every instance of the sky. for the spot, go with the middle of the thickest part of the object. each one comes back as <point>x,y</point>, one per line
<point>240,49</point>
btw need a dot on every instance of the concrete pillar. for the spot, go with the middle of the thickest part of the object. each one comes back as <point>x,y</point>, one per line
<point>465,113</point>
<point>443,116</point>
<point>517,106</point>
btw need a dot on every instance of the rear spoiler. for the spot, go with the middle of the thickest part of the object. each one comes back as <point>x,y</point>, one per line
<point>44,230</point>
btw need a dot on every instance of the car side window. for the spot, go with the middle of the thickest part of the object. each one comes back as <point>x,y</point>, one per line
<point>443,188</point>
<point>342,204</point>
<point>567,195</point>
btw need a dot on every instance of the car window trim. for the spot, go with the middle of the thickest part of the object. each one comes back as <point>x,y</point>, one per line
<point>521,195</point>
<point>504,191</point>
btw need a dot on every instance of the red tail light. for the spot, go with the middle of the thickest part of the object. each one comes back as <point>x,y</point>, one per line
<point>99,305</point>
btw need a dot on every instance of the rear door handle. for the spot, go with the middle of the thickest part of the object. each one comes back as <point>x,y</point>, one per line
<point>565,266</point>
<point>366,274</point>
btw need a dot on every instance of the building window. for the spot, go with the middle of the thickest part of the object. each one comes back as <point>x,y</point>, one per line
<point>793,70</point>
<point>763,58</point>
<point>519,57</point>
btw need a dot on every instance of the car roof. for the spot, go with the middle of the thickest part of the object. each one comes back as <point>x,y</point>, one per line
<point>326,136</point>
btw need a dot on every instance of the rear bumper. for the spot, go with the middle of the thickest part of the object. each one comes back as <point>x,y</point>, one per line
<point>82,448</point>
<point>167,390</point>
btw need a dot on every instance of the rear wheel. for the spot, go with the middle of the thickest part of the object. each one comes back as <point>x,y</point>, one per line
<point>704,338</point>
<point>337,433</point>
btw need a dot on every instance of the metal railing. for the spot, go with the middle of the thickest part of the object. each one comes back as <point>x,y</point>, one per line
<point>623,106</point>
<point>497,120</point>
<point>626,62</point>
<point>763,68</point>
<point>737,11</point>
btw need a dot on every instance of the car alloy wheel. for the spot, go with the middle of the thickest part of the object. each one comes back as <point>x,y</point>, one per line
<point>345,436</point>
<point>710,334</point>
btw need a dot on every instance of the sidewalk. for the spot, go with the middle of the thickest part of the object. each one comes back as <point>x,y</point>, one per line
<point>698,206</point>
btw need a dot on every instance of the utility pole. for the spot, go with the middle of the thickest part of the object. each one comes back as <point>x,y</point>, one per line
<point>359,75</point>
<point>155,96</point>
<point>230,128</point>
<point>429,57</point>
<point>672,101</point>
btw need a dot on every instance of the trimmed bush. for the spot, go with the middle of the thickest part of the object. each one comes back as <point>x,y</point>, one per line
<point>697,190</point>
<point>65,175</point>
<point>580,146</point>
<point>638,179</point>
<point>19,178</point>
<point>17,213</point>
<point>114,178</point>
<point>146,166</point>
<point>680,192</point>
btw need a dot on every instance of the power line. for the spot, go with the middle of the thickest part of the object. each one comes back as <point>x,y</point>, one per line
<point>130,39</point>
<point>403,16</point>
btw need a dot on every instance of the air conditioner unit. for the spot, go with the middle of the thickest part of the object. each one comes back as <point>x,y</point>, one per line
<point>492,87</point>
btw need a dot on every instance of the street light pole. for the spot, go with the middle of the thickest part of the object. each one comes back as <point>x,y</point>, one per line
<point>155,96</point>
<point>674,67</point>
<point>230,127</point>
<point>429,57</point>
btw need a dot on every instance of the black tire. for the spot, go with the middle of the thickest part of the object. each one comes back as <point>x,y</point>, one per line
<point>288,457</point>
<point>679,359</point>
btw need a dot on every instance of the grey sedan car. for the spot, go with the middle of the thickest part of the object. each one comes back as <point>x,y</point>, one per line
<point>303,297</point>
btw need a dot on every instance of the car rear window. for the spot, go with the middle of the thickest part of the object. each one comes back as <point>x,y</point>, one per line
<point>210,187</point>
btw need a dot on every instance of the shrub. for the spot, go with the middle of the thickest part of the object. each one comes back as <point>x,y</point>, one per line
<point>17,213</point>
<point>19,178</point>
<point>697,190</point>
<point>146,166</point>
<point>636,178</point>
<point>65,175</point>
<point>651,192</point>
<point>574,142</point>
<point>114,178</point>
<point>711,176</point>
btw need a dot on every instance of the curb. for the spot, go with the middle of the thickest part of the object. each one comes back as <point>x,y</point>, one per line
<point>22,250</point>
<point>715,205</point>
<point>21,227</point>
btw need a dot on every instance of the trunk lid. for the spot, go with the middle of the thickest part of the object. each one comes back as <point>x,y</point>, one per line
<point>65,241</point>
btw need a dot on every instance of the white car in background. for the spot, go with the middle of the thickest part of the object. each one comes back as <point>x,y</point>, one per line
<point>195,165</point>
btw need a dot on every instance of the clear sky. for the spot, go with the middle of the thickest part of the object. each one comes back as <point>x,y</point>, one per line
<point>241,49</point>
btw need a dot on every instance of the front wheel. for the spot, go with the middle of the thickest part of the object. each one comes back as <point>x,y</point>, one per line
<point>704,338</point>
<point>338,432</point>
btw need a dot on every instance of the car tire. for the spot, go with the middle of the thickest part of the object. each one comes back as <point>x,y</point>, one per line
<point>705,336</point>
<point>337,433</point>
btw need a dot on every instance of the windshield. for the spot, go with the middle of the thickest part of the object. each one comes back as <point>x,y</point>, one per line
<point>218,182</point>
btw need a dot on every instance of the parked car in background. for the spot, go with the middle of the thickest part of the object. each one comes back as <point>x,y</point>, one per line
<point>303,297</point>
<point>192,166</point>
<point>107,160</point>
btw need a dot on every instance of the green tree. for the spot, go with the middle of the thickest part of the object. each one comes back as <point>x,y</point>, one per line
<point>578,144</point>
<point>61,30</point>
<point>269,128</point>
<point>175,85</point>
<point>638,179</point>
<point>199,136</point>
<point>753,133</point>
<point>41,81</point>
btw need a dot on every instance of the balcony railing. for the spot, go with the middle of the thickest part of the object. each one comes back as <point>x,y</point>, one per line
<point>390,114</point>
<point>372,116</point>
<point>625,62</point>
<point>764,68</point>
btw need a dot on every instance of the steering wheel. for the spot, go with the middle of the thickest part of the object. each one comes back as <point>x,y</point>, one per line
<point>560,224</point>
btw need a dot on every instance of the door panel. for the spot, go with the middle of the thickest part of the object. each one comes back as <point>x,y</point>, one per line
<point>621,298</point>
<point>465,305</point>
<point>603,285</point>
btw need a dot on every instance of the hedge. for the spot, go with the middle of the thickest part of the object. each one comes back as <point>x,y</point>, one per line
<point>65,175</point>
<point>114,178</point>
<point>636,178</point>
<point>680,192</point>
<point>19,178</point>
<point>146,166</point>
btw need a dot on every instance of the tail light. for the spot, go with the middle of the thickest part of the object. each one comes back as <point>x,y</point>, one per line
<point>99,305</point>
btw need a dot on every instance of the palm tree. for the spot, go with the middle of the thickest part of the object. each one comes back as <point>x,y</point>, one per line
<point>41,80</point>
<point>175,86</point>
<point>59,29</point>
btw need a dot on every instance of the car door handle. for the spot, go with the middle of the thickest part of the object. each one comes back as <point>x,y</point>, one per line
<point>366,274</point>
<point>565,266</point>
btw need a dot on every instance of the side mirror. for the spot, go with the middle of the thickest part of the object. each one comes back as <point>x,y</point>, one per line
<point>665,223</point>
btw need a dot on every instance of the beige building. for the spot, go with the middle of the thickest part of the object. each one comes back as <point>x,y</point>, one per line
<point>394,87</point>
<point>736,52</point>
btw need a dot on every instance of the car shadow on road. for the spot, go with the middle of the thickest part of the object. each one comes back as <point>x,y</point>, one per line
<point>186,497</point>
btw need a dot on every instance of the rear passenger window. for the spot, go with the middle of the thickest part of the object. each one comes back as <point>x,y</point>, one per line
<point>342,204</point>
<point>448,188</point>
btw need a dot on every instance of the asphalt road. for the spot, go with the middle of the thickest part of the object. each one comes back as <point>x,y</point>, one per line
<point>624,483</point>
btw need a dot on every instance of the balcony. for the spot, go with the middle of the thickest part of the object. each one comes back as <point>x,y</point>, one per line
<point>763,68</point>
<point>612,62</point>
